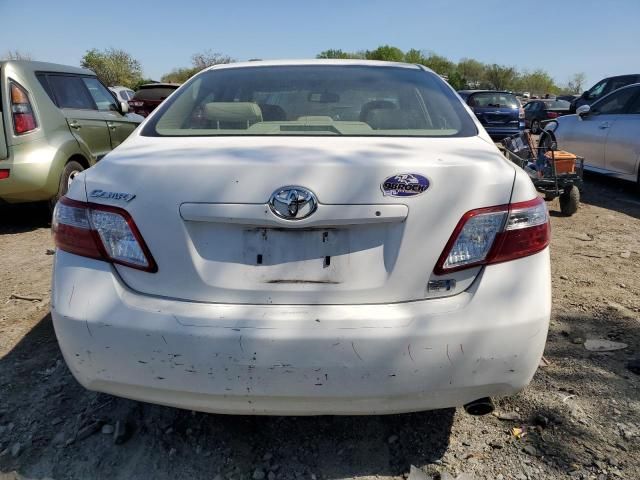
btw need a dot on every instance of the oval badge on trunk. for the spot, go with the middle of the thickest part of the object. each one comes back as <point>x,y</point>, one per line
<point>405,185</point>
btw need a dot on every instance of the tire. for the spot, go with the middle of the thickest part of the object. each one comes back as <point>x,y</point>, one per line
<point>569,200</point>
<point>70,170</point>
<point>535,127</point>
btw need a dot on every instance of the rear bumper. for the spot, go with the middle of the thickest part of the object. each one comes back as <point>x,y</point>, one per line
<point>303,359</point>
<point>30,176</point>
<point>497,133</point>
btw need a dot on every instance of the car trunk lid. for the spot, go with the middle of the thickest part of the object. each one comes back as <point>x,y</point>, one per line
<point>201,205</point>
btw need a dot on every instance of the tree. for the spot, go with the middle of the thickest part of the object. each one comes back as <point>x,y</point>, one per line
<point>472,71</point>
<point>113,66</point>
<point>538,81</point>
<point>334,53</point>
<point>16,55</point>
<point>501,77</point>
<point>179,75</point>
<point>457,81</point>
<point>439,64</point>
<point>413,56</point>
<point>576,83</point>
<point>208,58</point>
<point>386,53</point>
<point>199,61</point>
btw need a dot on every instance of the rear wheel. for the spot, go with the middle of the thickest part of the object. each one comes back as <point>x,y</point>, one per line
<point>569,200</point>
<point>71,169</point>
<point>535,127</point>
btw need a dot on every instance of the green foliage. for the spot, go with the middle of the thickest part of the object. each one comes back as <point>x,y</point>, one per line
<point>538,81</point>
<point>199,61</point>
<point>467,73</point>
<point>334,53</point>
<point>501,77</point>
<point>386,53</point>
<point>413,56</point>
<point>439,64</point>
<point>472,71</point>
<point>179,75</point>
<point>113,66</point>
<point>457,81</point>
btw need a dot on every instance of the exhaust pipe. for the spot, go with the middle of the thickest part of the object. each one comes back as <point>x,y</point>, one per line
<point>481,406</point>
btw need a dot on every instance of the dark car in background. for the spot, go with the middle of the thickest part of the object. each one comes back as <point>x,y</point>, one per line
<point>537,111</point>
<point>602,88</point>
<point>499,112</point>
<point>149,96</point>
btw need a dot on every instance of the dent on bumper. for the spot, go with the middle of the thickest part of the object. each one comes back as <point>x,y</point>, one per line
<point>303,359</point>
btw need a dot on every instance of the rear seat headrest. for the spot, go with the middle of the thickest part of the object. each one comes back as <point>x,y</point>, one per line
<point>233,112</point>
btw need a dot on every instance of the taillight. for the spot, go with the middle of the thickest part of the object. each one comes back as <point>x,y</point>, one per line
<point>102,232</point>
<point>521,113</point>
<point>24,120</point>
<point>496,234</point>
<point>552,115</point>
<point>4,173</point>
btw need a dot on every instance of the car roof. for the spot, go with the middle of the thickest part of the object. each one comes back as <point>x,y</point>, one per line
<point>469,92</point>
<point>159,84</point>
<point>334,62</point>
<point>32,66</point>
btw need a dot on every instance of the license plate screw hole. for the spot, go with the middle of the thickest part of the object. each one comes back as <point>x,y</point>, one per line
<point>259,259</point>
<point>327,261</point>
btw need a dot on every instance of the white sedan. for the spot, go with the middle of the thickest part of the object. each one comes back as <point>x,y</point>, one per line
<point>310,237</point>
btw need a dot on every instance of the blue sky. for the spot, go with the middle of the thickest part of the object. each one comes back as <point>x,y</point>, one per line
<point>561,36</point>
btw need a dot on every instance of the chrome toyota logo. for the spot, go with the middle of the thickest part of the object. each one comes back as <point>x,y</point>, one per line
<point>293,203</point>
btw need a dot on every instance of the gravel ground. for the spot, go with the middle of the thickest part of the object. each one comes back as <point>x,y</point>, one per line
<point>580,417</point>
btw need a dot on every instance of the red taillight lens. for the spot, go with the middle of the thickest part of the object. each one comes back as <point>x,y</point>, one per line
<point>496,234</point>
<point>24,121</point>
<point>102,232</point>
<point>4,173</point>
<point>552,115</point>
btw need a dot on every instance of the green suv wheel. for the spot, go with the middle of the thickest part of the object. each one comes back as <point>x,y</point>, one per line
<point>71,169</point>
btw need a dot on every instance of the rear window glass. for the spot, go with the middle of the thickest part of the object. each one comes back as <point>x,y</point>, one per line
<point>494,100</point>
<point>154,93</point>
<point>70,92</point>
<point>558,104</point>
<point>348,100</point>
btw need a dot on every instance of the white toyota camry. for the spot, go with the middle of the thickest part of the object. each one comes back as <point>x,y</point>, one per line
<point>304,237</point>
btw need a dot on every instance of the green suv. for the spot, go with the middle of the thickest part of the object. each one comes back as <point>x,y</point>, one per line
<point>55,121</point>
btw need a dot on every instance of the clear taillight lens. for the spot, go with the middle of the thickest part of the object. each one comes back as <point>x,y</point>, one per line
<point>496,234</point>
<point>101,232</point>
<point>475,239</point>
<point>117,238</point>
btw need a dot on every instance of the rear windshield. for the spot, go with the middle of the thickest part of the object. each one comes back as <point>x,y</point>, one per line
<point>558,105</point>
<point>154,93</point>
<point>494,100</point>
<point>313,100</point>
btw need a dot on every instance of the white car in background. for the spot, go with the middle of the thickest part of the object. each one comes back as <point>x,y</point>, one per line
<point>301,238</point>
<point>606,134</point>
<point>124,94</point>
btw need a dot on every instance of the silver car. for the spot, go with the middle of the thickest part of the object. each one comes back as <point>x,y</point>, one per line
<point>606,134</point>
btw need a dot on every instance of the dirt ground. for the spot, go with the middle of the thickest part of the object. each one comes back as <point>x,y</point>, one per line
<point>580,417</point>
